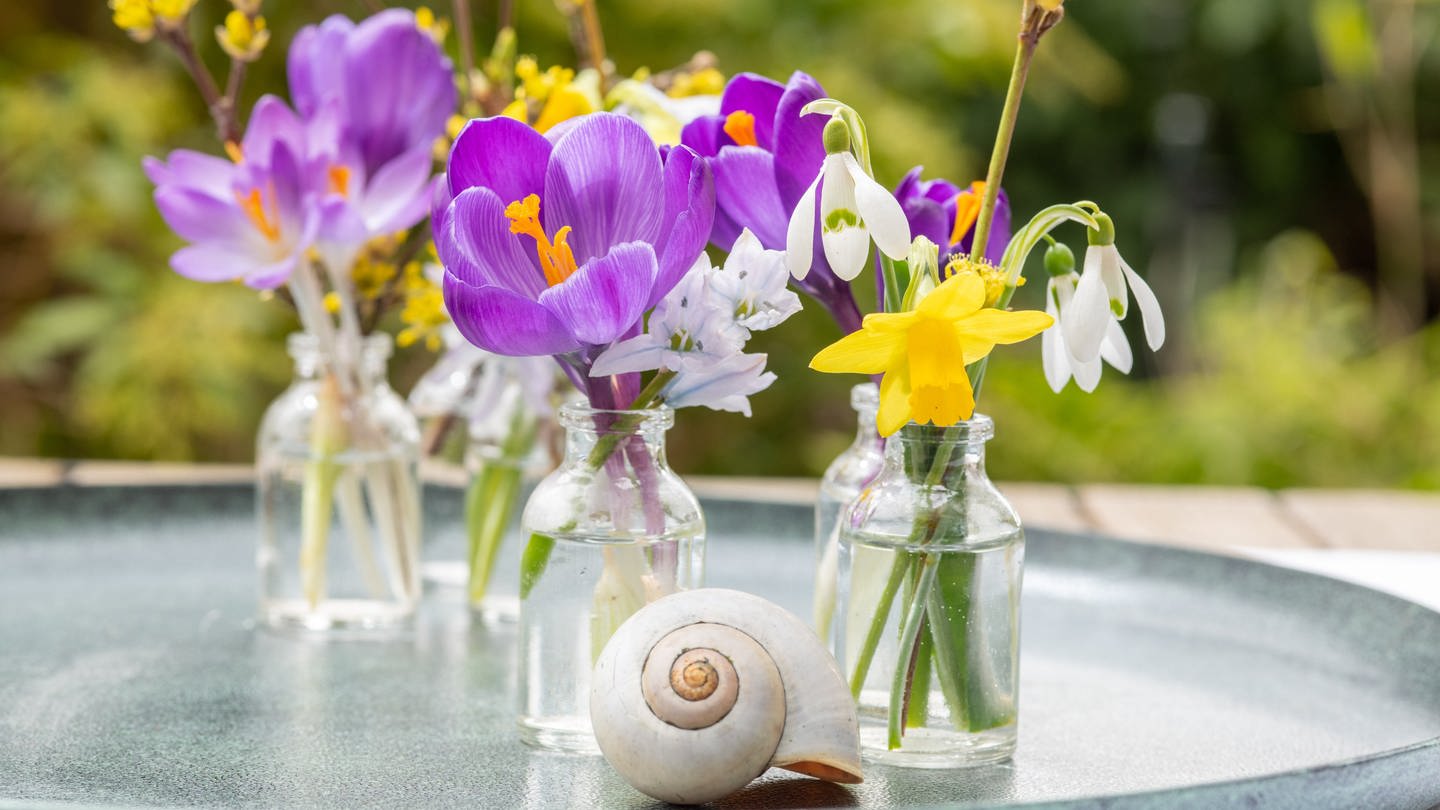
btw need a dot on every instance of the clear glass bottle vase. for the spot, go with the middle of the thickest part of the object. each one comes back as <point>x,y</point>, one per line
<point>338,495</point>
<point>610,530</point>
<point>929,603</point>
<point>846,476</point>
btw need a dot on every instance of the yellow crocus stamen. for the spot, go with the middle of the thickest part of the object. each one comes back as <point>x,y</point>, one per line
<point>967,210</point>
<point>339,177</point>
<point>232,149</point>
<point>740,126</point>
<point>253,204</point>
<point>556,258</point>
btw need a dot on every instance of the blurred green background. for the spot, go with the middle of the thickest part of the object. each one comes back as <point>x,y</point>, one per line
<point>1273,169</point>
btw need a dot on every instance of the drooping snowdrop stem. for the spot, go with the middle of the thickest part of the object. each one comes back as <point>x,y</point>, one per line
<point>1037,18</point>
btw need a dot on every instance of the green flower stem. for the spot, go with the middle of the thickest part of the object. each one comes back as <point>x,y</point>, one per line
<point>898,572</point>
<point>917,701</point>
<point>537,551</point>
<point>491,501</point>
<point>1024,52</point>
<point>327,439</point>
<point>909,634</point>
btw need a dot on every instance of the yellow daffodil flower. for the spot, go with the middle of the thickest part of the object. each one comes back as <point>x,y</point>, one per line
<point>923,353</point>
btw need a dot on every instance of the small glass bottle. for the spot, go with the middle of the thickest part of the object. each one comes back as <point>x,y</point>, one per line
<point>338,502</point>
<point>849,473</point>
<point>929,610</point>
<point>610,530</point>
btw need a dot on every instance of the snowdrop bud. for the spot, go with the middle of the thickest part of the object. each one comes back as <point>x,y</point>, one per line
<point>924,263</point>
<point>1106,233</point>
<point>1059,260</point>
<point>836,136</point>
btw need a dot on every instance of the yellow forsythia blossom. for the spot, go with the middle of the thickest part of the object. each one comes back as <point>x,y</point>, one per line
<point>437,27</point>
<point>923,352</point>
<point>242,36</point>
<point>424,313</point>
<point>703,82</point>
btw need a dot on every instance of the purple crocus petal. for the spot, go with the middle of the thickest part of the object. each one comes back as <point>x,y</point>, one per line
<point>272,275</point>
<point>799,147</point>
<point>505,322</point>
<point>502,154</point>
<point>195,170</point>
<point>705,135</point>
<point>725,230</point>
<point>214,262</point>
<point>929,220</point>
<point>398,85</point>
<point>689,217</point>
<point>312,67</point>
<point>606,296</point>
<point>197,217</point>
<point>601,181</point>
<point>479,248</point>
<point>757,95</point>
<point>397,196</point>
<point>341,222</point>
<point>745,190</point>
<point>440,198</point>
<point>271,122</point>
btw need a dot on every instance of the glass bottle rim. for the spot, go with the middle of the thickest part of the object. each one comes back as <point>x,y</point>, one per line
<point>377,345</point>
<point>865,397</point>
<point>580,416</point>
<point>977,429</point>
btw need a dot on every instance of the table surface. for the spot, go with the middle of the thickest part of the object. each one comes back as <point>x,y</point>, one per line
<point>1216,519</point>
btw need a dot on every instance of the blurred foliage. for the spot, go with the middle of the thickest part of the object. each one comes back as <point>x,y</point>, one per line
<point>1214,131</point>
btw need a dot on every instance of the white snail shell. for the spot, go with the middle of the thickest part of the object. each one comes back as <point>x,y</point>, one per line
<point>700,692</point>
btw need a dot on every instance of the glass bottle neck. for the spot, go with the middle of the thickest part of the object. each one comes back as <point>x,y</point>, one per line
<point>594,437</point>
<point>865,399</point>
<point>311,363</point>
<point>940,456</point>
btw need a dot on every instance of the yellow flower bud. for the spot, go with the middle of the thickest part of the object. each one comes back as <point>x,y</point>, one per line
<point>171,13</point>
<point>134,18</point>
<point>436,27</point>
<point>242,37</point>
<point>704,82</point>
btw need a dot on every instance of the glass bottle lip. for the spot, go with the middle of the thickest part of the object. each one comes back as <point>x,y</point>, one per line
<point>304,346</point>
<point>978,429</point>
<point>865,397</point>
<point>580,416</point>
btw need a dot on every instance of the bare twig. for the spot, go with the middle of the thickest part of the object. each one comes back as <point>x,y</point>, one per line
<point>220,109</point>
<point>464,30</point>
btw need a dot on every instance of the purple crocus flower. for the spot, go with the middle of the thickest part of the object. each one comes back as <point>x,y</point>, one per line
<point>250,220</point>
<point>945,214</point>
<point>561,248</point>
<point>375,96</point>
<point>764,155</point>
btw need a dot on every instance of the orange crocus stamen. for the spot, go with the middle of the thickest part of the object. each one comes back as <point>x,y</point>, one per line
<point>253,204</point>
<point>232,149</point>
<point>556,259</point>
<point>967,210</point>
<point>740,126</point>
<point>339,180</point>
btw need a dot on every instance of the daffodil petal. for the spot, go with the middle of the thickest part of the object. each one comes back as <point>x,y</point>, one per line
<point>864,352</point>
<point>1150,313</point>
<point>1004,326</point>
<point>894,410</point>
<point>1088,315</point>
<point>880,211</point>
<point>1115,349</point>
<point>957,297</point>
<point>800,235</point>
